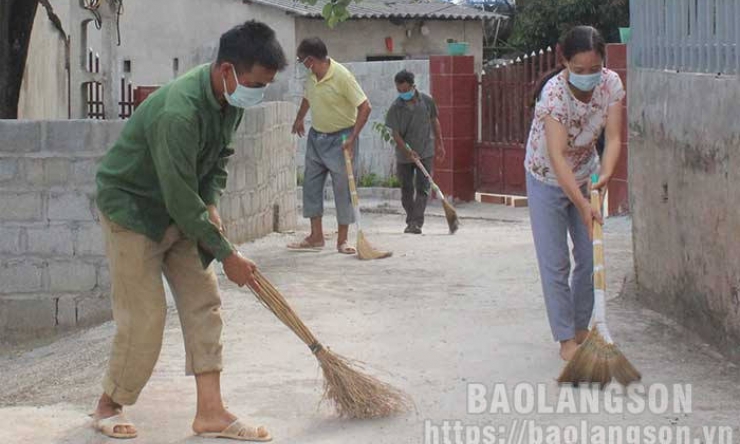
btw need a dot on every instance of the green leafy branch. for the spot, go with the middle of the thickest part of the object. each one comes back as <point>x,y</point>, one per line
<point>334,11</point>
<point>384,131</point>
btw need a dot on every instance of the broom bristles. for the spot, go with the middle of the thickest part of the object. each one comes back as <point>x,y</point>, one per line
<point>451,215</point>
<point>352,393</point>
<point>366,251</point>
<point>624,371</point>
<point>597,361</point>
<point>355,394</point>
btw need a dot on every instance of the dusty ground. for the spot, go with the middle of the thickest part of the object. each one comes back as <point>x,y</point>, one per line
<point>443,312</point>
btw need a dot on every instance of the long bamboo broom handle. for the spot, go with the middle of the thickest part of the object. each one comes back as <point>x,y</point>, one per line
<point>599,267</point>
<point>271,298</point>
<point>274,301</point>
<point>420,165</point>
<point>352,186</point>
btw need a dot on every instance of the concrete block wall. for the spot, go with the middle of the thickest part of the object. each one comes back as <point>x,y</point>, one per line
<point>260,195</point>
<point>53,270</point>
<point>684,171</point>
<point>376,79</point>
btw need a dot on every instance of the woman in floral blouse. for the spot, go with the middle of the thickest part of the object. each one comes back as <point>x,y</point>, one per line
<point>572,105</point>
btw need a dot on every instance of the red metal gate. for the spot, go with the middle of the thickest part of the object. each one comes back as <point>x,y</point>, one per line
<point>132,97</point>
<point>506,94</point>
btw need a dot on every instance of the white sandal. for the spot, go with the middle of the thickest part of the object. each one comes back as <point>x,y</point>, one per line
<point>107,426</point>
<point>235,431</point>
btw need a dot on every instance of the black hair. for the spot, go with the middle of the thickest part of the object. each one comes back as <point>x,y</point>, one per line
<point>577,40</point>
<point>404,77</point>
<point>312,47</point>
<point>251,43</point>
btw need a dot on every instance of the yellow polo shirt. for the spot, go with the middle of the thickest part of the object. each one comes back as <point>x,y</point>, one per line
<point>333,99</point>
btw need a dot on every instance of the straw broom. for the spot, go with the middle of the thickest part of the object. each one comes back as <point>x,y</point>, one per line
<point>598,359</point>
<point>450,214</point>
<point>364,249</point>
<point>352,393</point>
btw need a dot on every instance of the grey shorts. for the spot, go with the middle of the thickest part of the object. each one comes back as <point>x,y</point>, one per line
<point>324,156</point>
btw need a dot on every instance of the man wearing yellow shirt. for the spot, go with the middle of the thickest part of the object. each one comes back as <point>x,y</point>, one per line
<point>339,109</point>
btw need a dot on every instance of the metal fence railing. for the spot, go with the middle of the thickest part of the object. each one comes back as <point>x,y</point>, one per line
<point>686,35</point>
<point>127,99</point>
<point>95,91</point>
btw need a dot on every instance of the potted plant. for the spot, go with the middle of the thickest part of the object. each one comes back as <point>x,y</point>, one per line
<point>456,48</point>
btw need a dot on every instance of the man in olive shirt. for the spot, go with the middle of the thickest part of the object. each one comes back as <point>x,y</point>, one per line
<point>413,117</point>
<point>158,189</point>
<point>339,111</point>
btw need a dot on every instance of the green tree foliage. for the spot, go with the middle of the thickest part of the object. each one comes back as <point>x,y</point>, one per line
<point>540,23</point>
<point>334,11</point>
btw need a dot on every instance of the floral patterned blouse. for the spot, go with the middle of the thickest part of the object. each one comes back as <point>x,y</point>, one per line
<point>584,122</point>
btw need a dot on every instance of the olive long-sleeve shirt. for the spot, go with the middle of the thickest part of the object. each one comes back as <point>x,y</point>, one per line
<point>169,163</point>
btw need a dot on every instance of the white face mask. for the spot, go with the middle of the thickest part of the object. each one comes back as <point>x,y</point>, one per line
<point>243,97</point>
<point>303,70</point>
<point>585,82</point>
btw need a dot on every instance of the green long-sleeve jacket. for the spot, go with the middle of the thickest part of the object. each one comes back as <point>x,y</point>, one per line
<point>169,163</point>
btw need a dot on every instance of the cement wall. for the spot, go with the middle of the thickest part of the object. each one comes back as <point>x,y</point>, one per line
<point>44,92</point>
<point>376,78</point>
<point>191,36</point>
<point>154,33</point>
<point>684,171</point>
<point>368,38</point>
<point>53,271</point>
<point>55,72</point>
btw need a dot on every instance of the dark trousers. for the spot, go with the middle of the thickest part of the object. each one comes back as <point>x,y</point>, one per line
<point>415,190</point>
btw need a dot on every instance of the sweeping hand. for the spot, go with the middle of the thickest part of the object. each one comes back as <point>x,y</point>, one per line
<point>588,215</point>
<point>439,147</point>
<point>298,128</point>
<point>240,270</point>
<point>413,155</point>
<point>348,145</point>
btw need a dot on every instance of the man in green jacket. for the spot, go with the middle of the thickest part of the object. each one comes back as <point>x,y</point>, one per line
<point>158,190</point>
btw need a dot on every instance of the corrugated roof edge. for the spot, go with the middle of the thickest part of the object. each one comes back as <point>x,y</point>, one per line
<point>308,11</point>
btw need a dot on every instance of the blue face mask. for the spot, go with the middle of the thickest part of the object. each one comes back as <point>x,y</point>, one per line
<point>584,82</point>
<point>243,97</point>
<point>408,95</point>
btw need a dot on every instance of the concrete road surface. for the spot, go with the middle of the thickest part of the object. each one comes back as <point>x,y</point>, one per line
<point>458,322</point>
